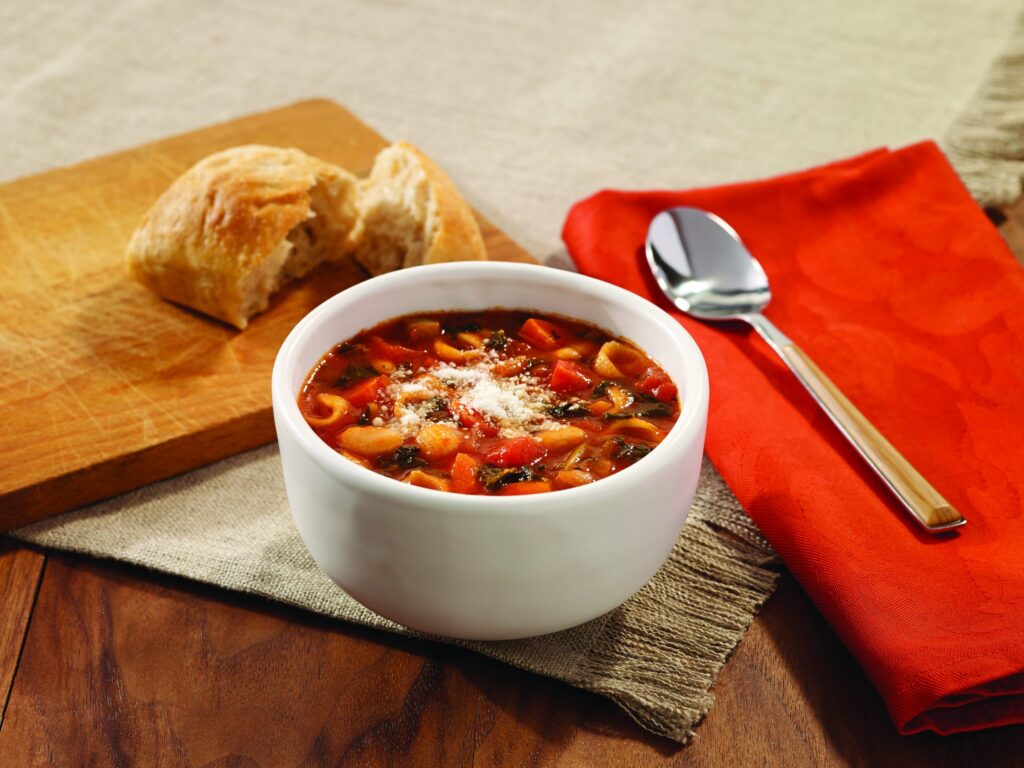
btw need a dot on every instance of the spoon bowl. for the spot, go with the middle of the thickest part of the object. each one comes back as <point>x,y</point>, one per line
<point>703,266</point>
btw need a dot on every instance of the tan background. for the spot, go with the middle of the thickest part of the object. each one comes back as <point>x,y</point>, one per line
<point>529,105</point>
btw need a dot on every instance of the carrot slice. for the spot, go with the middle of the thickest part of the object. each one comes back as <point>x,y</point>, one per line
<point>530,486</point>
<point>367,391</point>
<point>463,474</point>
<point>541,334</point>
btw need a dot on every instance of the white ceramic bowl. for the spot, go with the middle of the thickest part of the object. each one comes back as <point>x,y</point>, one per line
<point>489,568</point>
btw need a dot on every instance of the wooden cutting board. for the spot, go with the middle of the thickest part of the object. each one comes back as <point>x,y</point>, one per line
<point>103,386</point>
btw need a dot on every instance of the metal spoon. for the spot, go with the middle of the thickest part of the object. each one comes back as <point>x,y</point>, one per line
<point>704,269</point>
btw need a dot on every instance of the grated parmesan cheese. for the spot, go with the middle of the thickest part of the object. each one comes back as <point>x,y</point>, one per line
<point>517,405</point>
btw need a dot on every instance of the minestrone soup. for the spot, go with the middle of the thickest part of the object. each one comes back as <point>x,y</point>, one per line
<point>499,402</point>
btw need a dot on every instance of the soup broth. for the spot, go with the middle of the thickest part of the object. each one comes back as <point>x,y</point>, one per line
<point>498,402</point>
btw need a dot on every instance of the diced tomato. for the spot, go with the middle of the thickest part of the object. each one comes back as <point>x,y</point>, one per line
<point>569,377</point>
<point>367,391</point>
<point>530,486</point>
<point>515,452</point>
<point>463,474</point>
<point>541,333</point>
<point>396,353</point>
<point>470,419</point>
<point>658,385</point>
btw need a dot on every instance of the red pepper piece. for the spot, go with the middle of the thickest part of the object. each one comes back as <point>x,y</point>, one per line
<point>658,385</point>
<point>569,377</point>
<point>470,419</point>
<point>515,452</point>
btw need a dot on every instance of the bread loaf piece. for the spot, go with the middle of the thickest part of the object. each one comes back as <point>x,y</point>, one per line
<point>411,213</point>
<point>239,224</point>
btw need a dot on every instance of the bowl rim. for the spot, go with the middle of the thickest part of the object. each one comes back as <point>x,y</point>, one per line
<point>687,428</point>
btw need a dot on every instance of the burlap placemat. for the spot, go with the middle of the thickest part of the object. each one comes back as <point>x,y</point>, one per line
<point>529,112</point>
<point>656,655</point>
<point>986,143</point>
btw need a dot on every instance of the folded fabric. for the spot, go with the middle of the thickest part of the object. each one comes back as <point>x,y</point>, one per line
<point>895,282</point>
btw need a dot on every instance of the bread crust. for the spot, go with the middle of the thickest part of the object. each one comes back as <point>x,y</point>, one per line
<point>217,239</point>
<point>405,180</point>
<point>221,220</point>
<point>456,233</point>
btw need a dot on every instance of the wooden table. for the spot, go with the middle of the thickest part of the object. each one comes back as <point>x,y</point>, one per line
<point>106,664</point>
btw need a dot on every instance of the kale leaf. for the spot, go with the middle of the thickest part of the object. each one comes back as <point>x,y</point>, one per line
<point>569,410</point>
<point>497,340</point>
<point>348,347</point>
<point>408,456</point>
<point>495,478</point>
<point>439,410</point>
<point>629,451</point>
<point>455,328</point>
<point>659,411</point>
<point>405,456</point>
<point>353,374</point>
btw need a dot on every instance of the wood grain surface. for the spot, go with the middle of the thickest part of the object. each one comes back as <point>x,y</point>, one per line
<point>103,386</point>
<point>121,668</point>
<point>20,572</point>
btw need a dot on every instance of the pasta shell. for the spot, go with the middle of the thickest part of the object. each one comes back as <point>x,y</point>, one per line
<point>636,428</point>
<point>339,407</point>
<point>616,360</point>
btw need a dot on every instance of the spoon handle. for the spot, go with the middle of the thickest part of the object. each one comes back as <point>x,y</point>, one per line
<point>926,504</point>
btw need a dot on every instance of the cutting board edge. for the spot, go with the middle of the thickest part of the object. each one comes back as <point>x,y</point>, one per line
<point>118,475</point>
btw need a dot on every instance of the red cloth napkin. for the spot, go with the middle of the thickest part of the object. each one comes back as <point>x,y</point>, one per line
<point>893,280</point>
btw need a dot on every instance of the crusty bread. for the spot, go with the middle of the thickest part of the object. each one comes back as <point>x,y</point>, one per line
<point>411,213</point>
<point>238,224</point>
